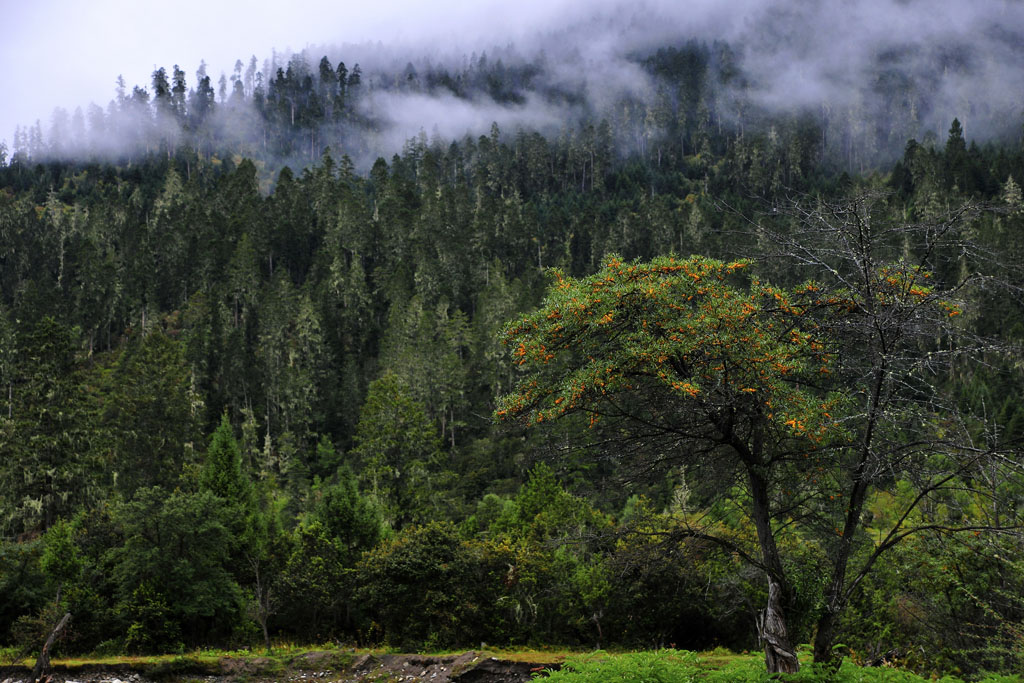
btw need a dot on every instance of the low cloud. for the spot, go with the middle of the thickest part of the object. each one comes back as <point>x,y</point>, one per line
<point>941,59</point>
<point>404,115</point>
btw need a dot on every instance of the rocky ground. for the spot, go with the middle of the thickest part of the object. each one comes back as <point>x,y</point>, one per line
<point>311,667</point>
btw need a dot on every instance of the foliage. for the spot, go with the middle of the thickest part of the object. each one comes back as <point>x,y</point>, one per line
<point>222,473</point>
<point>397,446</point>
<point>349,518</point>
<point>669,330</point>
<point>47,468</point>
<point>668,588</point>
<point>422,588</point>
<point>173,571</point>
<point>146,404</point>
<point>545,564</point>
<point>314,586</point>
<point>348,314</point>
<point>940,621</point>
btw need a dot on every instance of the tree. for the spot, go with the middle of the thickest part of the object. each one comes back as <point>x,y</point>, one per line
<point>290,350</point>
<point>558,531</point>
<point>164,109</point>
<point>8,362</point>
<point>328,80</point>
<point>423,588</point>
<point>341,76</point>
<point>222,473</point>
<point>178,91</point>
<point>906,349</point>
<point>161,89</point>
<point>313,582</point>
<point>265,551</point>
<point>202,101</point>
<point>745,382</point>
<point>250,76</point>
<point>148,413</point>
<point>45,464</point>
<point>174,569</point>
<point>425,350</point>
<point>690,365</point>
<point>956,157</point>
<point>350,520</point>
<point>397,446</point>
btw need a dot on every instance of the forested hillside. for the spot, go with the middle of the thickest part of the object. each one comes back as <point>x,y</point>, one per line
<point>251,372</point>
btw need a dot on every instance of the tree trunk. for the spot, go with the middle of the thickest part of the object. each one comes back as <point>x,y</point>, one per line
<point>824,639</point>
<point>835,599</point>
<point>264,605</point>
<point>42,667</point>
<point>779,655</point>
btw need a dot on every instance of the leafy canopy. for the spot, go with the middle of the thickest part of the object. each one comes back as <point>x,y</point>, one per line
<point>645,340</point>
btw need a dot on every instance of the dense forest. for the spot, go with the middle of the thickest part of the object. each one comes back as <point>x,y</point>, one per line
<point>253,375</point>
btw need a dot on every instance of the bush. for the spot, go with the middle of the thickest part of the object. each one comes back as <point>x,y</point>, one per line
<point>151,627</point>
<point>423,588</point>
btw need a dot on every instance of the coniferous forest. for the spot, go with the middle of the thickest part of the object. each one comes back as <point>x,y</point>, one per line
<point>678,368</point>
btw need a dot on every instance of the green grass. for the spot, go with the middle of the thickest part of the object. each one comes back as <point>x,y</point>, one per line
<point>680,666</point>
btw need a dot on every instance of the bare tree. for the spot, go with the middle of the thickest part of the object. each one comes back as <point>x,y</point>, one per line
<point>894,299</point>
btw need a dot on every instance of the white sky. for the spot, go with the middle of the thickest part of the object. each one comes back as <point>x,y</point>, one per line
<point>69,53</point>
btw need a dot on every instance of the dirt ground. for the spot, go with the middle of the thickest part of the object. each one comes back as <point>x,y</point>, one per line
<point>311,667</point>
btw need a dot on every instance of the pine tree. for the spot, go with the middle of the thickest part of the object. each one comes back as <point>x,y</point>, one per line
<point>222,472</point>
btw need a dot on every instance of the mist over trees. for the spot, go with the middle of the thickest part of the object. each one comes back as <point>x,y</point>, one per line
<point>860,88</point>
<point>234,336</point>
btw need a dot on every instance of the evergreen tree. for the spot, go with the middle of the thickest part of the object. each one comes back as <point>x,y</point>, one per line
<point>397,447</point>
<point>222,473</point>
<point>150,413</point>
<point>45,464</point>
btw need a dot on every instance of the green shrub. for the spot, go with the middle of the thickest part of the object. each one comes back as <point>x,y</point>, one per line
<point>422,587</point>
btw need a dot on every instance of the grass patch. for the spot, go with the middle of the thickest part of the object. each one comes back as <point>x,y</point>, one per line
<point>182,665</point>
<point>530,654</point>
<point>319,660</point>
<point>680,666</point>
